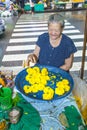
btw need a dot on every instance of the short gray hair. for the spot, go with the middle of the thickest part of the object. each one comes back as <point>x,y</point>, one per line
<point>56,18</point>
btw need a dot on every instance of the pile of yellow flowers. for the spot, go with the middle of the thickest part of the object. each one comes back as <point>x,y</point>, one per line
<point>62,87</point>
<point>38,81</point>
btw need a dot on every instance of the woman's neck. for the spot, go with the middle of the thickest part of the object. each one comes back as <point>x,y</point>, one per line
<point>56,42</point>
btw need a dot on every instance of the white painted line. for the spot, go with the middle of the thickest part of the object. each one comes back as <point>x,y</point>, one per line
<point>30,29</point>
<point>77,66</point>
<point>79,44</point>
<point>67,27</point>
<point>28,22</point>
<point>76,36</point>
<point>26,34</point>
<point>71,31</point>
<point>20,48</point>
<point>67,23</point>
<point>79,53</point>
<point>15,57</point>
<point>21,40</point>
<point>36,25</point>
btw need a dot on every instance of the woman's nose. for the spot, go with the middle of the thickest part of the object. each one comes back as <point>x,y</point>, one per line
<point>53,32</point>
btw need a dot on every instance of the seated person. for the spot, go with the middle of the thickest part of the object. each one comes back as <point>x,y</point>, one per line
<point>54,48</point>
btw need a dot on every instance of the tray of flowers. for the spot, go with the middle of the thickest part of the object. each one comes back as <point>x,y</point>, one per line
<point>44,82</point>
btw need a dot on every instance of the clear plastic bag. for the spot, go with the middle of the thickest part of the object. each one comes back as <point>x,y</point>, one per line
<point>80,89</point>
<point>80,94</point>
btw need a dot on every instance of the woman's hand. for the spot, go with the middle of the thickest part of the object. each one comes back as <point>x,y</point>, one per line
<point>31,58</point>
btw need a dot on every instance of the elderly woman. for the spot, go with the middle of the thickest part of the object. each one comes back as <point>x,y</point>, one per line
<point>54,48</point>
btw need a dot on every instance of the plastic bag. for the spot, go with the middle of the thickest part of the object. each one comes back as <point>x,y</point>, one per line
<point>80,94</point>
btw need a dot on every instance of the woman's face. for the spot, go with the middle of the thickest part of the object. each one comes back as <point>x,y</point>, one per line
<point>54,30</point>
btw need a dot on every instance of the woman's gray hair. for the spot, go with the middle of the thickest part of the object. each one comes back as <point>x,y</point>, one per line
<point>56,18</point>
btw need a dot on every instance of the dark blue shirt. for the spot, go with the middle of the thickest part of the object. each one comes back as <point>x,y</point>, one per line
<point>54,56</point>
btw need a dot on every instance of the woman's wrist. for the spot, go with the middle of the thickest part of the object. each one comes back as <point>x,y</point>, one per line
<point>32,58</point>
<point>64,67</point>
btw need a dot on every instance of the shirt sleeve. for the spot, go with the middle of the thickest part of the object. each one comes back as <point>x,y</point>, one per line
<point>71,48</point>
<point>39,41</point>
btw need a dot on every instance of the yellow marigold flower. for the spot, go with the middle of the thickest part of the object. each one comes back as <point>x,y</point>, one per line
<point>34,88</point>
<point>37,69</point>
<point>44,71</point>
<point>47,89</point>
<point>59,91</point>
<point>59,84</point>
<point>47,77</point>
<point>32,81</point>
<point>2,82</point>
<point>62,87</point>
<point>29,70</point>
<point>66,88</point>
<point>41,86</point>
<point>43,81</point>
<point>27,77</point>
<point>27,89</point>
<point>47,96</point>
<point>65,81</point>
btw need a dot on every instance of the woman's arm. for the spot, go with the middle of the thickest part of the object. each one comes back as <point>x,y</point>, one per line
<point>33,57</point>
<point>36,51</point>
<point>68,63</point>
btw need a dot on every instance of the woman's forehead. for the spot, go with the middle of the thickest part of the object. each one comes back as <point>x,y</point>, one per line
<point>54,25</point>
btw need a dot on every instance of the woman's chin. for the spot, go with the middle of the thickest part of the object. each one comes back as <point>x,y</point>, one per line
<point>53,38</point>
